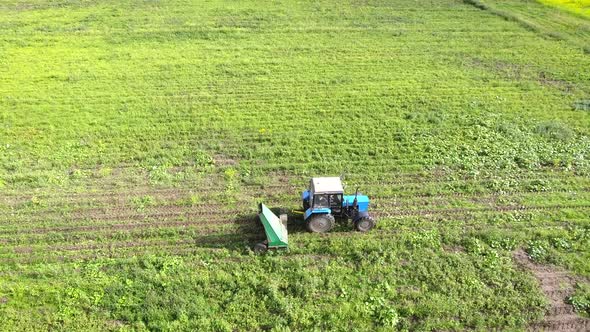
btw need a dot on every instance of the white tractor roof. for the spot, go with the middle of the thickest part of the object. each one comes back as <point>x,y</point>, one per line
<point>327,185</point>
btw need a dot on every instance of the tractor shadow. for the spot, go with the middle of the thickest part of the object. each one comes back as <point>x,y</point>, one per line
<point>248,232</point>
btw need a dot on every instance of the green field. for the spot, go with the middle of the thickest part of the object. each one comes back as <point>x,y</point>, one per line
<point>137,137</point>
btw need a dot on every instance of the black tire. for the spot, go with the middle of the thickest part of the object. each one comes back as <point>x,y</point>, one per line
<point>260,248</point>
<point>364,224</point>
<point>320,223</point>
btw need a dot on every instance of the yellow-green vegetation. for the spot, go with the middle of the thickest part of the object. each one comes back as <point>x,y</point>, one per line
<point>575,6</point>
<point>549,22</point>
<point>136,138</point>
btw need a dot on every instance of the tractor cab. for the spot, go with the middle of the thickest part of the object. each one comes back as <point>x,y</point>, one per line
<point>324,193</point>
<point>324,200</point>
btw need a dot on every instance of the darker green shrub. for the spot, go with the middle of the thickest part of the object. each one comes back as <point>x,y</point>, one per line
<point>582,105</point>
<point>555,131</point>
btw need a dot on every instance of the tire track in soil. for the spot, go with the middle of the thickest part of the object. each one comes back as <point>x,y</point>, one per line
<point>455,211</point>
<point>269,190</point>
<point>119,196</point>
<point>128,219</point>
<point>415,200</point>
<point>557,285</point>
<point>246,226</point>
<point>111,231</point>
<point>216,215</point>
<point>273,188</point>
<point>247,232</point>
<point>62,252</point>
<point>109,210</point>
<point>122,221</point>
<point>56,251</point>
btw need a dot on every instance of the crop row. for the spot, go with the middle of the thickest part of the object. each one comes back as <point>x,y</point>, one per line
<point>38,204</point>
<point>175,230</point>
<point>114,246</point>
<point>238,214</point>
<point>440,205</point>
<point>382,208</point>
<point>116,221</point>
<point>400,182</point>
<point>250,226</point>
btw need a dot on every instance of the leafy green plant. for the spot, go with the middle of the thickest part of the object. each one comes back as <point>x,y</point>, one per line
<point>383,312</point>
<point>143,202</point>
<point>581,299</point>
<point>537,250</point>
<point>230,175</point>
<point>560,243</point>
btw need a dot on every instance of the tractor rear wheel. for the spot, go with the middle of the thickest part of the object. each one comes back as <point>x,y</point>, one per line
<point>320,223</point>
<point>364,224</point>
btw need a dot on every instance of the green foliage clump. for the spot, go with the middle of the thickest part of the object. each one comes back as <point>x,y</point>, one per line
<point>581,299</point>
<point>382,312</point>
<point>143,202</point>
<point>538,251</point>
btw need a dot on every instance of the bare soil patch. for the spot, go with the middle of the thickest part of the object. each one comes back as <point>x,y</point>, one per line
<point>557,286</point>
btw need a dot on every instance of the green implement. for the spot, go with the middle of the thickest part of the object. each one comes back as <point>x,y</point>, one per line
<point>275,229</point>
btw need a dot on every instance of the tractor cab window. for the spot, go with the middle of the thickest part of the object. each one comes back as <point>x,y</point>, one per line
<point>321,201</point>
<point>336,203</point>
<point>335,200</point>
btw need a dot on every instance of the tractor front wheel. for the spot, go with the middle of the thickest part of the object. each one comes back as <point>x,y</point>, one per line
<point>260,248</point>
<point>320,223</point>
<point>364,224</point>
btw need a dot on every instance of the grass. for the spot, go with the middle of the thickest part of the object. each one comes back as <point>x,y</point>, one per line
<point>552,23</point>
<point>137,137</point>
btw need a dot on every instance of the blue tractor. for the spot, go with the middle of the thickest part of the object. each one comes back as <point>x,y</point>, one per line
<point>325,201</point>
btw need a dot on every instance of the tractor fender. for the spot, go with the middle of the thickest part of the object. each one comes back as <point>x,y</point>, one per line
<point>305,195</point>
<point>309,212</point>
